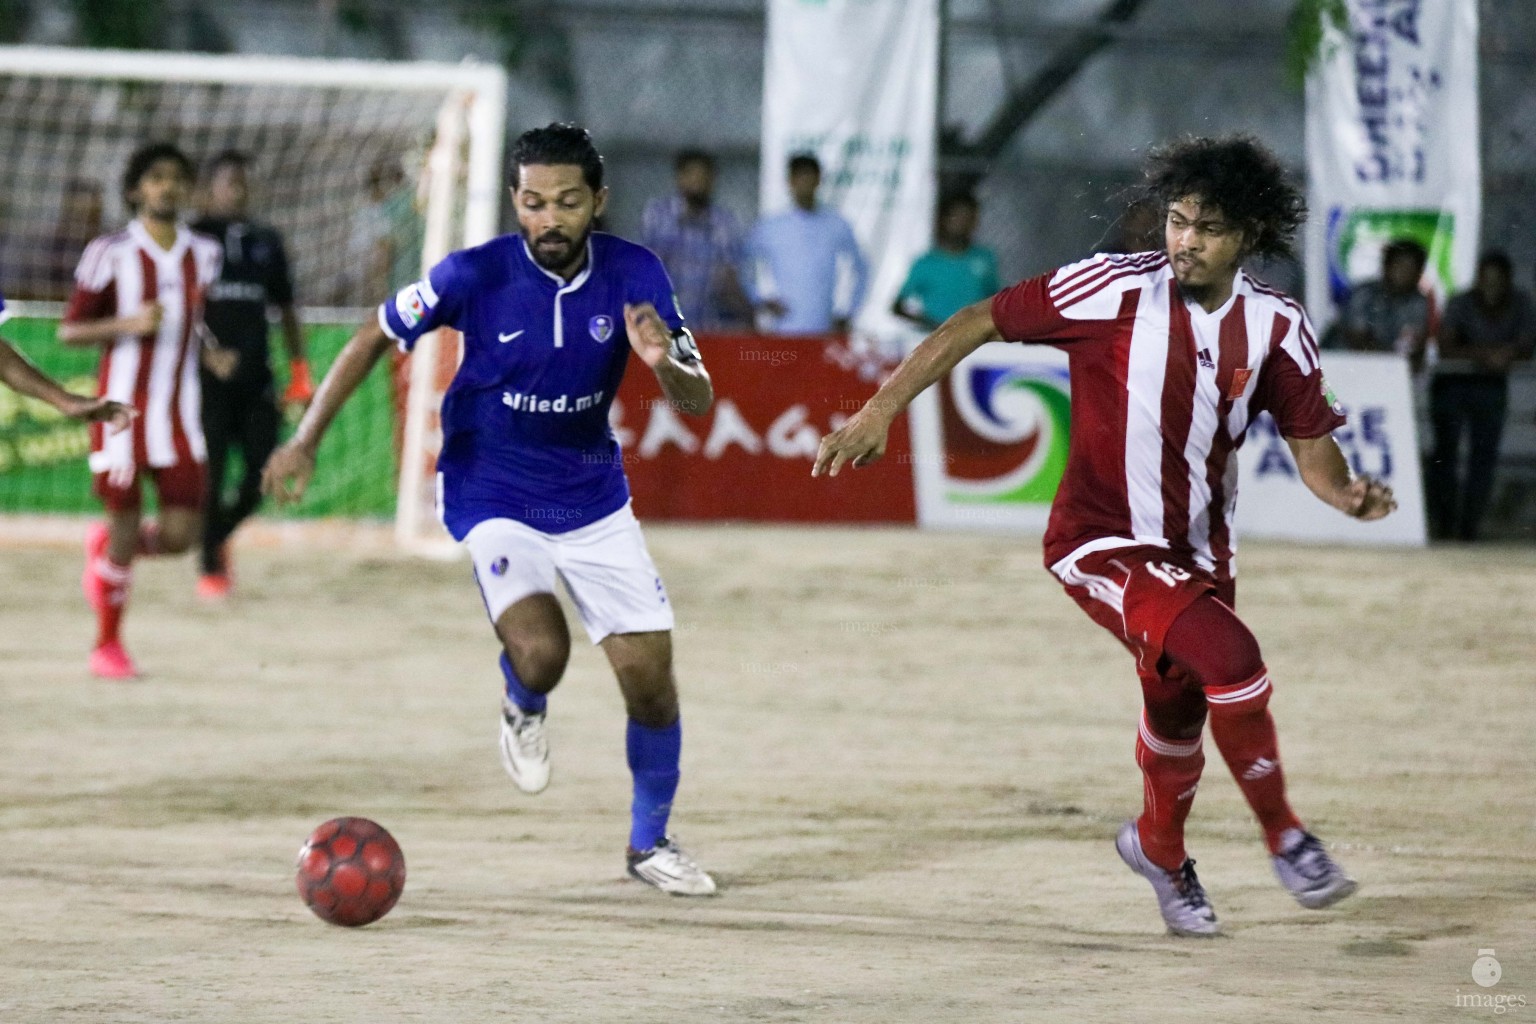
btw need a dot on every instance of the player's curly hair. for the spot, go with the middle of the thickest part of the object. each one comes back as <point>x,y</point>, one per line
<point>1239,176</point>
<point>146,157</point>
<point>559,143</point>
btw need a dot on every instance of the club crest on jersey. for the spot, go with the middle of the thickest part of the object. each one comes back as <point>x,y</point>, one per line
<point>1239,383</point>
<point>1331,398</point>
<point>600,327</point>
<point>411,305</point>
<point>499,567</point>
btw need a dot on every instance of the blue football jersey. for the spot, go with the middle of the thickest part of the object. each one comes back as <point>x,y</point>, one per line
<point>5,314</point>
<point>525,420</point>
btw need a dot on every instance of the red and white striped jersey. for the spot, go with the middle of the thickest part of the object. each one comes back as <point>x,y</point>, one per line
<point>1162,395</point>
<point>155,373</point>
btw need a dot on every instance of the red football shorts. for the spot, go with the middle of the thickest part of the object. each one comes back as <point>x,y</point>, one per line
<point>1137,592</point>
<point>178,486</point>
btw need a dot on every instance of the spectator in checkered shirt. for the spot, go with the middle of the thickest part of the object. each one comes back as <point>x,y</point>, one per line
<point>700,244</point>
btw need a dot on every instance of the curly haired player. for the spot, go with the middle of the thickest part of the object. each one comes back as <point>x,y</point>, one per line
<point>138,296</point>
<point>1172,353</point>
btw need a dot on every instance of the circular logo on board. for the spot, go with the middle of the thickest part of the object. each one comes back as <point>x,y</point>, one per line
<point>1486,971</point>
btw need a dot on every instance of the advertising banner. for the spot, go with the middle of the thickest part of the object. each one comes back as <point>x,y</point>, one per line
<point>1392,147</point>
<point>1376,394</point>
<point>856,83</point>
<point>750,457</point>
<point>42,454</point>
<point>989,442</point>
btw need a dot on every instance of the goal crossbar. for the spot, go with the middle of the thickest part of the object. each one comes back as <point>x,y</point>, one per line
<point>470,144</point>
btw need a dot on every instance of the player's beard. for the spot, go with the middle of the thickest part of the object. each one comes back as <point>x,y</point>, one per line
<point>557,259</point>
<point>1198,283</point>
<point>165,210</point>
<point>1196,293</point>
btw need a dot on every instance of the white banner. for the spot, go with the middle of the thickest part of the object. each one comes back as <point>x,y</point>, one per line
<point>1379,439</point>
<point>989,441</point>
<point>855,82</point>
<point>1392,147</point>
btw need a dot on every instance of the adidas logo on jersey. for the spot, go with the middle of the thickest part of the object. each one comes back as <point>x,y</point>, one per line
<point>1205,359</point>
<point>1260,768</point>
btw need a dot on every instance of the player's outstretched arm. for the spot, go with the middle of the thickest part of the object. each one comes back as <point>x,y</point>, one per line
<point>675,361</point>
<point>80,333</point>
<point>288,471</point>
<point>861,440</point>
<point>1327,474</point>
<point>22,377</point>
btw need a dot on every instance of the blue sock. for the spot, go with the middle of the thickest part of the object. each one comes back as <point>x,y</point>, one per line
<point>529,702</point>
<point>653,759</point>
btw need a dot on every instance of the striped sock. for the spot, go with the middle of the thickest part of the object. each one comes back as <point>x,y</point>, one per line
<point>1170,774</point>
<point>116,582</point>
<point>1244,732</point>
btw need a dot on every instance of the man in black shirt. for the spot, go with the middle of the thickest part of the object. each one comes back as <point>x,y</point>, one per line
<point>240,410</point>
<point>1485,331</point>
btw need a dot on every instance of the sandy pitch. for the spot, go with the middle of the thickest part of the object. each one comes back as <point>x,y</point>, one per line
<point>905,759</point>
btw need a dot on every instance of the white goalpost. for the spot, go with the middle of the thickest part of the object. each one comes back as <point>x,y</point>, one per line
<point>372,171</point>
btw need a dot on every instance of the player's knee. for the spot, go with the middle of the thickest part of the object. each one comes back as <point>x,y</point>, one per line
<point>1174,705</point>
<point>645,676</point>
<point>654,706</point>
<point>173,540</point>
<point>539,661</point>
<point>1210,642</point>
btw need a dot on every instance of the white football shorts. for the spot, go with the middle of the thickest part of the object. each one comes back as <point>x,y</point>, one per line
<point>604,565</point>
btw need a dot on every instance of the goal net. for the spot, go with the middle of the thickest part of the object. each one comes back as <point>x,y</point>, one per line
<point>371,171</point>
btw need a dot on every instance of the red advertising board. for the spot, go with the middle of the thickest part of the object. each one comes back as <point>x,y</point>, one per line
<point>750,457</point>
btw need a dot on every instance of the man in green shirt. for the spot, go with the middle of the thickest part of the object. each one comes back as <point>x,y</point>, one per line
<point>951,275</point>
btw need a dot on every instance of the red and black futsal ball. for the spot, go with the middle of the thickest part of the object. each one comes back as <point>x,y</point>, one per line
<point>350,871</point>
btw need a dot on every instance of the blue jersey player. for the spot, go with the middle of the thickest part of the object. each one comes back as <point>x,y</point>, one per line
<point>531,478</point>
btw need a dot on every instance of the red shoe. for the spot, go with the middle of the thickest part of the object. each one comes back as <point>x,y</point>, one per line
<point>95,589</point>
<point>214,586</point>
<point>110,661</point>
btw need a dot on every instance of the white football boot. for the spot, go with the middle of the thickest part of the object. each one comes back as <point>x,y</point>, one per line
<point>668,867</point>
<point>524,747</point>
<point>1180,896</point>
<point>1308,873</point>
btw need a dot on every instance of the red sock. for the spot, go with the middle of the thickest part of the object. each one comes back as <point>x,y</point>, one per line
<point>1244,732</point>
<point>116,581</point>
<point>1170,773</point>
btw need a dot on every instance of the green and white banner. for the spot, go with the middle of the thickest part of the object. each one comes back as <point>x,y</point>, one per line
<point>989,441</point>
<point>42,454</point>
<point>856,83</point>
<point>1392,146</point>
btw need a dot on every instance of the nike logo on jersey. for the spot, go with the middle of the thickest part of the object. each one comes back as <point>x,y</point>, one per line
<point>504,338</point>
